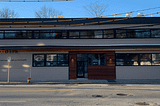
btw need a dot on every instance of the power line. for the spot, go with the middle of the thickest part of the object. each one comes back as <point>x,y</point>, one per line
<point>131,12</point>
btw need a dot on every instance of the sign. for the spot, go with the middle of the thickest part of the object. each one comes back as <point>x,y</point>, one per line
<point>9,60</point>
<point>8,51</point>
<point>2,51</point>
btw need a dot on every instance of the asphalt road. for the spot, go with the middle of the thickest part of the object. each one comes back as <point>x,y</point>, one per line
<point>80,95</point>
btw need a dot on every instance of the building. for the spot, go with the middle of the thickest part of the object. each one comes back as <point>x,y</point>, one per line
<point>70,48</point>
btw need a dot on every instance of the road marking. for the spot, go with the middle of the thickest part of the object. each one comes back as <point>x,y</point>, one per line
<point>11,101</point>
<point>31,90</point>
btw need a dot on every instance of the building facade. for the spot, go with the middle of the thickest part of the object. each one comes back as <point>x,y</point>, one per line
<point>52,49</point>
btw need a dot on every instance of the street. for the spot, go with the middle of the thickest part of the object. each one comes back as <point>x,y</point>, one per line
<point>79,95</point>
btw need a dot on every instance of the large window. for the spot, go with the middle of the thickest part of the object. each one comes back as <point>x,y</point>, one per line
<point>126,59</point>
<point>81,34</point>
<point>96,59</point>
<point>50,35</point>
<point>15,34</point>
<point>140,33</point>
<point>50,60</point>
<point>93,59</point>
<point>155,33</point>
<point>141,59</point>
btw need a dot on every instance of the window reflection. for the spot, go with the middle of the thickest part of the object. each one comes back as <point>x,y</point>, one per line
<point>108,34</point>
<point>155,59</point>
<point>98,34</point>
<point>121,34</point>
<point>145,59</point>
<point>1,34</point>
<point>74,34</point>
<point>155,33</point>
<point>36,34</point>
<point>87,34</point>
<point>96,59</point>
<point>15,34</point>
<point>140,33</point>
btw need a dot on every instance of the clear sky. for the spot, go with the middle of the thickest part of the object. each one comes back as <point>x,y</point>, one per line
<point>75,8</point>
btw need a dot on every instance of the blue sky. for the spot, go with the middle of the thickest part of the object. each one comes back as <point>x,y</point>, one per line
<point>75,8</point>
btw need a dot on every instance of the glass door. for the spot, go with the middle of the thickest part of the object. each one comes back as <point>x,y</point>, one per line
<point>82,66</point>
<point>80,69</point>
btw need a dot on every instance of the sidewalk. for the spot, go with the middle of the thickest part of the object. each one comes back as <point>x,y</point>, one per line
<point>86,81</point>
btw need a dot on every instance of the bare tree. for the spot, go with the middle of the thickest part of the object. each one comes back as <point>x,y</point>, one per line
<point>7,13</point>
<point>96,9</point>
<point>45,12</point>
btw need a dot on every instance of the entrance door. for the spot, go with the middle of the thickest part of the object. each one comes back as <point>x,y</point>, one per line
<point>80,69</point>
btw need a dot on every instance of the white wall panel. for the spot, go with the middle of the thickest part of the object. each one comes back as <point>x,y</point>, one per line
<point>20,73</point>
<point>137,72</point>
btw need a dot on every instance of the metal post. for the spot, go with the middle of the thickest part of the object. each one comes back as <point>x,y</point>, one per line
<point>8,72</point>
<point>30,71</point>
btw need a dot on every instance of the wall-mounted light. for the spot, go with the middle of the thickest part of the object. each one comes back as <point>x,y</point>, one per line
<point>72,58</point>
<point>110,59</point>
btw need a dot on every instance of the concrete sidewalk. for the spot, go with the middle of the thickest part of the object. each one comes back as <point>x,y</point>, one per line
<point>86,81</point>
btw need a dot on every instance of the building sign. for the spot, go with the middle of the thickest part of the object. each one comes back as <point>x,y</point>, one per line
<point>8,51</point>
<point>2,51</point>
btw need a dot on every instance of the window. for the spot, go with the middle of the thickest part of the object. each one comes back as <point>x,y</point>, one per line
<point>96,59</point>
<point>62,59</point>
<point>29,34</point>
<point>120,59</point>
<point>155,33</point>
<point>130,59</point>
<point>145,59</point>
<point>64,35</point>
<point>126,59</point>
<point>73,34</point>
<point>155,59</point>
<point>38,60</point>
<point>140,33</point>
<point>108,33</point>
<point>83,34</point>
<point>98,34</point>
<point>50,34</point>
<point>50,60</point>
<point>82,57</point>
<point>121,34</point>
<point>1,34</point>
<point>36,34</point>
<point>15,34</point>
<point>87,34</point>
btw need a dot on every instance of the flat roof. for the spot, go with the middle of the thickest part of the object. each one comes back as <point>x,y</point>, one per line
<point>79,21</point>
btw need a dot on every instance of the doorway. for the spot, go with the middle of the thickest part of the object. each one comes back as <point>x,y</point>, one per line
<point>82,66</point>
